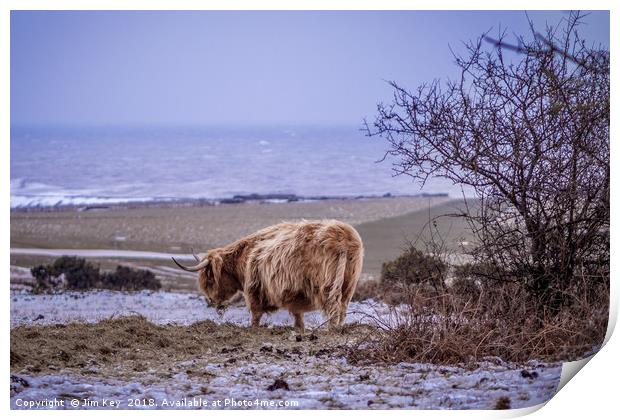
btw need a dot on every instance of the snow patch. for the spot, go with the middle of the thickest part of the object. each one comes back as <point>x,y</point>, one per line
<point>159,308</point>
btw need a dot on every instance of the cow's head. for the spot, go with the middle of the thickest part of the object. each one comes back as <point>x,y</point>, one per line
<point>217,283</point>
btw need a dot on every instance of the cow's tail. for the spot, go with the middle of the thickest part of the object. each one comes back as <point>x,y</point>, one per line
<point>335,291</point>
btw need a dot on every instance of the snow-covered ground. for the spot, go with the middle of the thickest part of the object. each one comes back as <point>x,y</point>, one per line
<point>321,380</point>
<point>158,307</point>
<point>317,383</point>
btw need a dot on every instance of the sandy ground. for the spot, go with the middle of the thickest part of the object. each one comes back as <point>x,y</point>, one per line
<point>168,229</point>
<point>218,358</point>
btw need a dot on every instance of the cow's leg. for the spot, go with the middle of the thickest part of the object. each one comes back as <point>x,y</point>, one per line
<point>344,305</point>
<point>332,313</point>
<point>342,314</point>
<point>332,309</point>
<point>333,293</point>
<point>256,316</point>
<point>334,323</point>
<point>299,321</point>
<point>348,289</point>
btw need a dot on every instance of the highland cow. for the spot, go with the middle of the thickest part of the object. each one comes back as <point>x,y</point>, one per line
<point>301,267</point>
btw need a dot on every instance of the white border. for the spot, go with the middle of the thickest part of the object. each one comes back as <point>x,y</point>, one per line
<point>594,393</point>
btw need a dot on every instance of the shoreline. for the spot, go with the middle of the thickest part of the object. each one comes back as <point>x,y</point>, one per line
<point>275,198</point>
<point>101,253</point>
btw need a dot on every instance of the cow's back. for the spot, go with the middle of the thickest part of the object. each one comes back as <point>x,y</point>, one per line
<point>297,260</point>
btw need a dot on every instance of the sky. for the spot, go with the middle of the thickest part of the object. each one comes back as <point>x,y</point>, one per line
<point>243,68</point>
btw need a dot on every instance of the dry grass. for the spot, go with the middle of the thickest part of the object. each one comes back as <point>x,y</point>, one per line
<point>128,346</point>
<point>448,328</point>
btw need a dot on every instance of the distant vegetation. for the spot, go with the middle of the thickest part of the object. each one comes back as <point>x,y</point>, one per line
<point>414,267</point>
<point>74,273</point>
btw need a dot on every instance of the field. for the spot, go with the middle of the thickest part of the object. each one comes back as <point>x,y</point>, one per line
<point>170,346</point>
<point>168,349</point>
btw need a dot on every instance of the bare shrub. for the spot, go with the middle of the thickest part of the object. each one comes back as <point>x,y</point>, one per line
<point>529,134</point>
<point>527,129</point>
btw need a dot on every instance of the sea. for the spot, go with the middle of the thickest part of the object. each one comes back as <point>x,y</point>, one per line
<point>62,165</point>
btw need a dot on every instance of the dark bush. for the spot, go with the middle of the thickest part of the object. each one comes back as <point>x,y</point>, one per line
<point>77,274</point>
<point>414,267</point>
<point>43,280</point>
<point>125,278</point>
<point>477,271</point>
<point>392,294</point>
<point>466,287</point>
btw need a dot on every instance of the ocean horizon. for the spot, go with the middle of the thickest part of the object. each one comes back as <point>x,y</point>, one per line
<point>90,165</point>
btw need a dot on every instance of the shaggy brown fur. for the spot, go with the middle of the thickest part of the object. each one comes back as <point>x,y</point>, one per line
<point>301,267</point>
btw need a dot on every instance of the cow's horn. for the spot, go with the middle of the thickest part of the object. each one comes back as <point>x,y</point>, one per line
<point>194,267</point>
